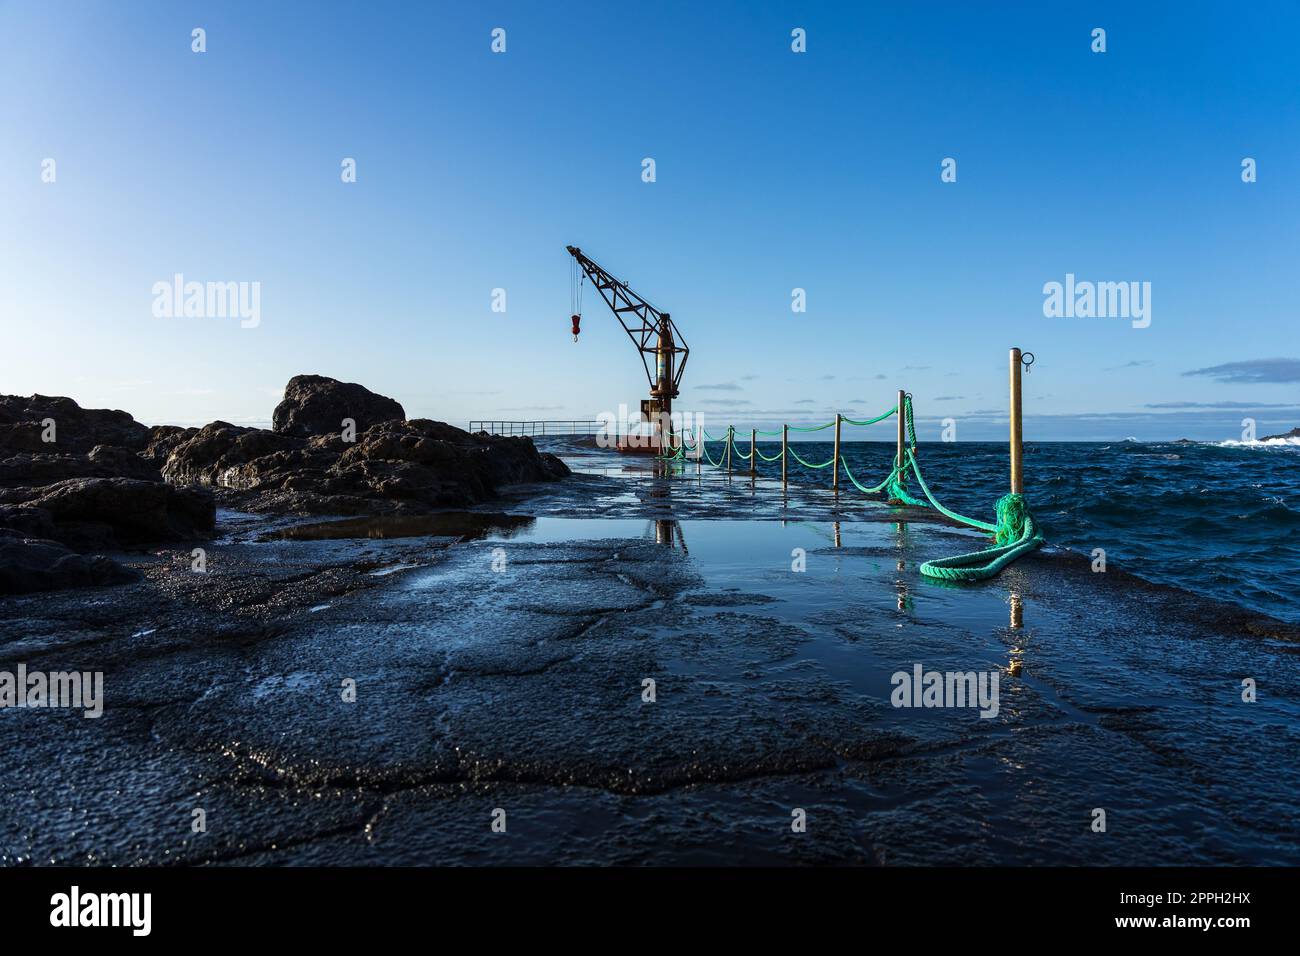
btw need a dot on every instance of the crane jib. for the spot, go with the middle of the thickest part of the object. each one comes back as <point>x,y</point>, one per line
<point>651,331</point>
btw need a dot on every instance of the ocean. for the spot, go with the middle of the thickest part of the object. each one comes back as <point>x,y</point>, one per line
<point>1218,519</point>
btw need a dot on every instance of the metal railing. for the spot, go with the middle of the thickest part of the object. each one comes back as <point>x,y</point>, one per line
<point>535,428</point>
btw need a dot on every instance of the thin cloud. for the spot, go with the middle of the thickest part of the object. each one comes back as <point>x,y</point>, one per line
<point>1252,371</point>
<point>1223,405</point>
<point>720,387</point>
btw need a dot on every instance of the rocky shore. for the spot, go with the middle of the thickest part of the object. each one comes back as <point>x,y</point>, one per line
<point>79,484</point>
<point>1293,433</point>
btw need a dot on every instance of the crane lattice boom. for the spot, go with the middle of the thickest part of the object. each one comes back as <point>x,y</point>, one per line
<point>651,331</point>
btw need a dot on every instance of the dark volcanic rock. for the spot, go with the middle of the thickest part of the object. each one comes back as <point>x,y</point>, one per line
<point>88,443</point>
<point>113,461</point>
<point>392,466</point>
<point>31,522</point>
<point>103,513</point>
<point>1293,433</point>
<point>211,453</point>
<point>162,439</point>
<point>316,405</point>
<point>435,463</point>
<point>110,482</point>
<point>104,461</point>
<point>35,564</point>
<point>76,430</point>
<point>26,468</point>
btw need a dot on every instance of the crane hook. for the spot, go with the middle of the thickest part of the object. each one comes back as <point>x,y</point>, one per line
<point>577,319</point>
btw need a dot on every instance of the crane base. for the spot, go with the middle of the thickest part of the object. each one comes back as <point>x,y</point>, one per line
<point>651,447</point>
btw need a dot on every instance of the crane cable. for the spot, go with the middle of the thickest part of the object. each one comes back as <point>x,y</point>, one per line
<point>576,280</point>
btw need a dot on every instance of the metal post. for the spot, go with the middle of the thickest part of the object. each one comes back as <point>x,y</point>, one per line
<point>1017,432</point>
<point>902,434</point>
<point>785,440</point>
<point>835,461</point>
<point>731,441</point>
<point>753,452</point>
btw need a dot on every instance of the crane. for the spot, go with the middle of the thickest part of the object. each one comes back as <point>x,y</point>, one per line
<point>652,332</point>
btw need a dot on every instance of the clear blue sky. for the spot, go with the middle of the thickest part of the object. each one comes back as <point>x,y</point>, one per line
<point>775,170</point>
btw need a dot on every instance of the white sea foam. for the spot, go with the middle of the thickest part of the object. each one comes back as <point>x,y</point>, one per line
<point>1267,443</point>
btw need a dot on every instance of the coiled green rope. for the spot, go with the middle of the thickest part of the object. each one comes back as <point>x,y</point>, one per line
<point>1015,534</point>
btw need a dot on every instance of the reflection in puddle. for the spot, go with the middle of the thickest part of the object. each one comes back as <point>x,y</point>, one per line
<point>669,532</point>
<point>465,525</point>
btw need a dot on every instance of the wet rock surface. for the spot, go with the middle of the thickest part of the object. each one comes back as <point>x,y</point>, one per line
<point>507,670</point>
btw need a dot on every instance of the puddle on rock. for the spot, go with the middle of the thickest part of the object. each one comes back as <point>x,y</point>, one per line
<point>464,525</point>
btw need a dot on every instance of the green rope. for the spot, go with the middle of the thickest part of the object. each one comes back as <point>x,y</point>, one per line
<point>870,421</point>
<point>765,458</point>
<point>898,479</point>
<point>829,461</point>
<point>1016,535</point>
<point>678,453</point>
<point>897,482</point>
<point>859,485</point>
<point>810,428</point>
<point>973,522</point>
